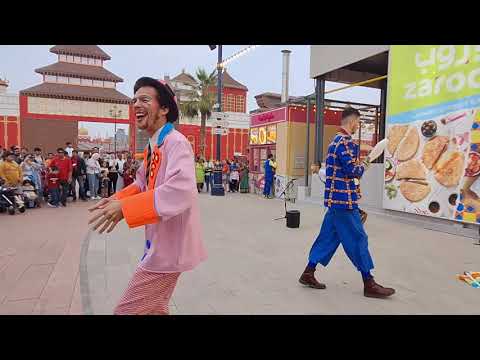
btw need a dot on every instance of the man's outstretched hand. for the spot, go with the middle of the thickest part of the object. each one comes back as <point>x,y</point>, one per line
<point>100,205</point>
<point>108,213</point>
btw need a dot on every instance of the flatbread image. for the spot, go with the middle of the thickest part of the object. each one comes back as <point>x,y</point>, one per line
<point>395,135</point>
<point>411,169</point>
<point>449,168</point>
<point>433,149</point>
<point>409,145</point>
<point>415,191</point>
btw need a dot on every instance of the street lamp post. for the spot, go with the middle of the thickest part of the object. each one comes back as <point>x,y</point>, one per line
<point>115,113</point>
<point>217,187</point>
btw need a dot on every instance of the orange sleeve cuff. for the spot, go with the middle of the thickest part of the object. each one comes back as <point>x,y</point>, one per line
<point>139,209</point>
<point>130,190</point>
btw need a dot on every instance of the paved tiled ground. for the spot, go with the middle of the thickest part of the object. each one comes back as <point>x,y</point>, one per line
<point>254,264</point>
<point>39,260</point>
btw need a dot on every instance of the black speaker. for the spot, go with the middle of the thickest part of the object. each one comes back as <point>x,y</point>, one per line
<point>293,218</point>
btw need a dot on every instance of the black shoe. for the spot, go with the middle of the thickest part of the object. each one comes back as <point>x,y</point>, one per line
<point>64,204</point>
<point>74,199</point>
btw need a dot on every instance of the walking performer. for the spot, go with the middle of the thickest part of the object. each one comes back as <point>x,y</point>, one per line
<point>164,198</point>
<point>342,222</point>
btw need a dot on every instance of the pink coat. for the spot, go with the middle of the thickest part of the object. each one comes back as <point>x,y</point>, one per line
<point>169,211</point>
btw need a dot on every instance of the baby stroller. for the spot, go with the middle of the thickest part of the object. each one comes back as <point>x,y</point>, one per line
<point>29,193</point>
<point>10,200</point>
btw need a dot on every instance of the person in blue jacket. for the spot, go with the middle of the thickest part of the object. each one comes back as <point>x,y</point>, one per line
<point>342,223</point>
<point>269,167</point>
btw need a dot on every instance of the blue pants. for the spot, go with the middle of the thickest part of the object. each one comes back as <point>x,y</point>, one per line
<point>55,196</point>
<point>342,226</point>
<point>268,185</point>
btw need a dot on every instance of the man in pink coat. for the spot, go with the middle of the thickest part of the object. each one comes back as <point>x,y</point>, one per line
<point>163,198</point>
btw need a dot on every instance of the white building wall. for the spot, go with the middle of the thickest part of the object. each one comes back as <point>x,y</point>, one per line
<point>9,104</point>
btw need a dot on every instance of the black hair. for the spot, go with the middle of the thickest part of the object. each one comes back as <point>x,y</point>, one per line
<point>74,151</point>
<point>37,149</point>
<point>60,149</point>
<point>68,142</point>
<point>165,95</point>
<point>348,111</point>
<point>50,153</point>
<point>270,156</point>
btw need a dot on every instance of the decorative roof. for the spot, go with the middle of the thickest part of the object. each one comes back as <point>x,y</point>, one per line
<point>228,81</point>
<point>269,100</point>
<point>81,50</point>
<point>185,78</point>
<point>79,70</point>
<point>85,93</point>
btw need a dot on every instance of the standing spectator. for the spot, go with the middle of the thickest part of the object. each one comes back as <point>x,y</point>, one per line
<point>244,180</point>
<point>24,152</point>
<point>69,149</point>
<point>16,154</point>
<point>234,178</point>
<point>104,184</point>
<point>79,173</point>
<point>49,159</point>
<point>2,151</point>
<point>199,173</point>
<point>93,171</point>
<point>10,171</point>
<point>86,156</point>
<point>53,185</point>
<point>38,156</point>
<point>226,174</point>
<point>208,174</point>
<point>120,163</point>
<point>112,174</point>
<point>128,174</point>
<point>64,165</point>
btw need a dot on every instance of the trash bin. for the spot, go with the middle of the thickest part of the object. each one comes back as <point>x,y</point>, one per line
<point>293,218</point>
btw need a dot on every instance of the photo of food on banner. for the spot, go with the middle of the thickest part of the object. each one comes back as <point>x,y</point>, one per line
<point>432,166</point>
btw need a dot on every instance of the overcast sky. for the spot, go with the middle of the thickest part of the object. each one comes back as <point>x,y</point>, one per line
<point>260,70</point>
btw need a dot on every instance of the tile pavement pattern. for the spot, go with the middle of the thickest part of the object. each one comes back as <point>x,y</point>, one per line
<point>254,264</point>
<point>39,261</point>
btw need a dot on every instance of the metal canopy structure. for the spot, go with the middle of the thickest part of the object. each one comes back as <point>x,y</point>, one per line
<point>371,70</point>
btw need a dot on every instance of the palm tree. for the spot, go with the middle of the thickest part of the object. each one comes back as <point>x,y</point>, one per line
<point>201,102</point>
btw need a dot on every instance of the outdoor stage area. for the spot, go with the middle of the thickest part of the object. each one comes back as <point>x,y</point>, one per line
<point>254,264</point>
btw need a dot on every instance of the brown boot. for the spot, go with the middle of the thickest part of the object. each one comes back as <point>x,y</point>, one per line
<point>374,290</point>
<point>363,216</point>
<point>308,279</point>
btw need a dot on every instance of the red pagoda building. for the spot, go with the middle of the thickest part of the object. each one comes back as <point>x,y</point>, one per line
<point>77,88</point>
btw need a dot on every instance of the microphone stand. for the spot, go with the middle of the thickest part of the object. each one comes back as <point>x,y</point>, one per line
<point>289,184</point>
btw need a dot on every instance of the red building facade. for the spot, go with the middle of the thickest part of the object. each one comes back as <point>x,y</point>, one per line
<point>234,104</point>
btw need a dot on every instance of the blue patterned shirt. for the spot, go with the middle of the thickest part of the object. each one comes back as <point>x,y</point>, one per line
<point>341,169</point>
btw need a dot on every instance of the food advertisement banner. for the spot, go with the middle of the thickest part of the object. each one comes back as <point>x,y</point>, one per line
<point>432,161</point>
<point>271,134</point>
<point>254,136</point>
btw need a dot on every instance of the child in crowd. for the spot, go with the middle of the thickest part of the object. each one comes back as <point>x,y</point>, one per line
<point>128,177</point>
<point>53,184</point>
<point>234,178</point>
<point>105,184</point>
